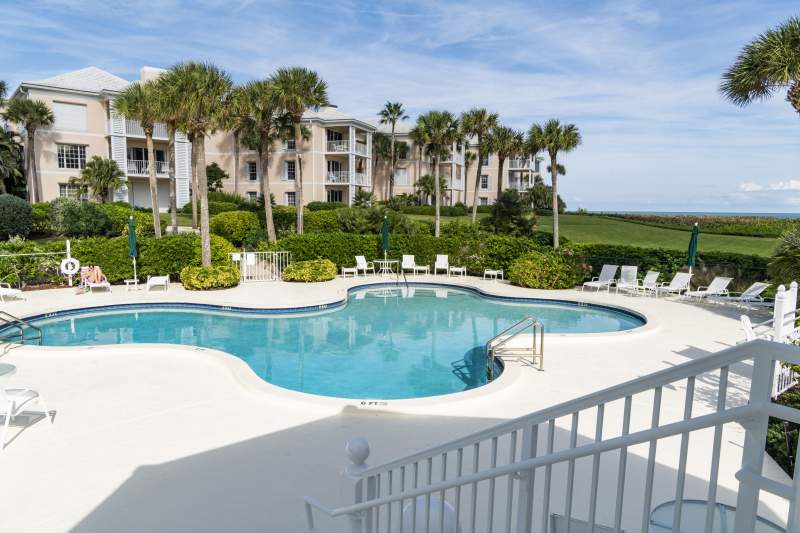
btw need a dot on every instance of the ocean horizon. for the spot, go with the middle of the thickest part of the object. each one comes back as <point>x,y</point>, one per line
<point>701,213</point>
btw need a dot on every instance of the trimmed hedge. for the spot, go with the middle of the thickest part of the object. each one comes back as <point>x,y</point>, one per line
<point>444,210</point>
<point>118,213</point>
<point>199,278</point>
<point>310,271</point>
<point>214,208</point>
<point>30,269</point>
<point>325,206</point>
<point>236,226</point>
<point>16,218</point>
<point>85,219</point>
<point>41,218</point>
<point>547,270</point>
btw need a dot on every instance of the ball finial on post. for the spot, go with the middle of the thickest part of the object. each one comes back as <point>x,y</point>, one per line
<point>357,450</point>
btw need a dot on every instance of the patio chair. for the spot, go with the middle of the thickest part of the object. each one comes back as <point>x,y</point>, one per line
<point>363,266</point>
<point>489,273</point>
<point>13,403</point>
<point>750,296</point>
<point>349,270</point>
<point>627,278</point>
<point>7,291</point>
<point>157,281</point>
<point>409,263</point>
<point>756,331</point>
<point>92,286</point>
<point>442,263</point>
<point>717,287</point>
<point>604,280</point>
<point>678,284</point>
<point>558,524</point>
<point>649,285</point>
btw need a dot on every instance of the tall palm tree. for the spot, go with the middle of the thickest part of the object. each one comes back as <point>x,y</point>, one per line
<point>167,102</point>
<point>505,142</point>
<point>392,113</point>
<point>479,123</point>
<point>553,137</point>
<point>138,101</point>
<point>235,120</point>
<point>11,161</point>
<point>32,114</point>
<point>3,92</point>
<point>297,89</point>
<point>442,130</point>
<point>203,87</point>
<point>418,137</point>
<point>770,62</point>
<point>100,177</point>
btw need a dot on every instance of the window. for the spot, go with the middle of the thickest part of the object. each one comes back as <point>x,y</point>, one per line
<point>252,196</point>
<point>252,171</point>
<point>69,116</point>
<point>483,200</point>
<point>485,160</point>
<point>71,156</point>
<point>334,196</point>
<point>401,177</point>
<point>65,190</point>
<point>333,135</point>
<point>290,198</point>
<point>484,181</point>
<point>137,153</point>
<point>290,144</point>
<point>289,170</point>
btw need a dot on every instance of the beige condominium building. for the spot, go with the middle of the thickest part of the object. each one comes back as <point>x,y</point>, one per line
<point>337,159</point>
<point>459,171</point>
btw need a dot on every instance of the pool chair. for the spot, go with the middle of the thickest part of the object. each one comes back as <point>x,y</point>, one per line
<point>7,291</point>
<point>13,402</point>
<point>157,281</point>
<point>627,278</point>
<point>750,297</point>
<point>678,285</point>
<point>409,263</point>
<point>363,266</point>
<point>558,524</point>
<point>717,287</point>
<point>762,330</point>
<point>442,263</point>
<point>649,285</point>
<point>93,286</point>
<point>604,280</point>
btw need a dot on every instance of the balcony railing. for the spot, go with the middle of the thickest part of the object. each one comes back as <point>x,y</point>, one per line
<point>338,146</point>
<point>361,179</point>
<point>520,162</point>
<point>338,177</point>
<point>361,148</point>
<point>138,167</point>
<point>133,128</point>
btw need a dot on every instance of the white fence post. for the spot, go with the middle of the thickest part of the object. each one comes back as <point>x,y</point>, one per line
<point>357,450</point>
<point>526,481</point>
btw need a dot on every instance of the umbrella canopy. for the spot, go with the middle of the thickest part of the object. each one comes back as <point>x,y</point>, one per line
<point>133,250</point>
<point>385,236</point>
<point>691,258</point>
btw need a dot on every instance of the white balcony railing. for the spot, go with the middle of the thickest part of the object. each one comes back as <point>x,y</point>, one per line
<point>338,177</point>
<point>515,476</point>
<point>361,148</point>
<point>338,146</point>
<point>138,167</point>
<point>520,163</point>
<point>361,179</point>
<point>134,129</point>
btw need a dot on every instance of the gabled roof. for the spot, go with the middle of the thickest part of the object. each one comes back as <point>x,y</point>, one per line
<point>89,79</point>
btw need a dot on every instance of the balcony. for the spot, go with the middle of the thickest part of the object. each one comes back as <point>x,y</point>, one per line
<point>361,148</point>
<point>345,177</point>
<point>133,128</point>
<point>342,146</point>
<point>138,167</point>
<point>522,163</point>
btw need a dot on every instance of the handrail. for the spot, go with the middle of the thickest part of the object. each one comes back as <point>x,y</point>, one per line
<point>20,324</point>
<point>490,347</point>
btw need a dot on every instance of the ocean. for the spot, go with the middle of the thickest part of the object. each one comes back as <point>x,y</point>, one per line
<point>702,213</point>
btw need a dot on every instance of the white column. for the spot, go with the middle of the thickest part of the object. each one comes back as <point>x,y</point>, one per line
<point>119,152</point>
<point>183,169</point>
<point>369,159</point>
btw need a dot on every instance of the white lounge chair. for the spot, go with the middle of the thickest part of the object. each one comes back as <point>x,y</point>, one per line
<point>442,263</point>
<point>678,285</point>
<point>606,278</point>
<point>752,331</point>
<point>717,287</point>
<point>13,402</point>
<point>649,285</point>
<point>157,281</point>
<point>7,291</point>
<point>627,278</point>
<point>751,295</point>
<point>363,266</point>
<point>489,273</point>
<point>409,263</point>
<point>105,285</point>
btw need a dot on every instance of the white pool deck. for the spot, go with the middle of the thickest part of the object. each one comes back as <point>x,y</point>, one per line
<point>175,439</point>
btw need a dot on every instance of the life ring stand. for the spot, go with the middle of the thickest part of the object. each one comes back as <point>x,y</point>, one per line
<point>70,266</point>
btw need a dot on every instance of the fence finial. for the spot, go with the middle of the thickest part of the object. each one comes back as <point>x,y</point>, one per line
<point>357,450</point>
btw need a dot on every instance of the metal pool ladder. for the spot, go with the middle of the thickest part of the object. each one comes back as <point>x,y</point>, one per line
<point>7,320</point>
<point>497,345</point>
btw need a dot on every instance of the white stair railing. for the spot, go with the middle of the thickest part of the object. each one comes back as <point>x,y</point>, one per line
<point>513,476</point>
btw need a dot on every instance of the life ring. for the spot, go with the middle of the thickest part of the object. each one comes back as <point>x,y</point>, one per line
<point>70,266</point>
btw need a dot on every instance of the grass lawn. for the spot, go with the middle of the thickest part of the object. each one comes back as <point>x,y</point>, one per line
<point>183,219</point>
<point>593,229</point>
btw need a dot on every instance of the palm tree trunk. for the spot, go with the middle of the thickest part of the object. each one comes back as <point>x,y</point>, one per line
<point>264,153</point>
<point>502,161</point>
<point>29,169</point>
<point>151,172</point>
<point>194,184</point>
<point>173,186</point>
<point>554,190</point>
<point>202,186</point>
<point>236,162</point>
<point>436,192</point>
<point>477,183</point>
<point>391,173</point>
<point>298,179</point>
<point>37,185</point>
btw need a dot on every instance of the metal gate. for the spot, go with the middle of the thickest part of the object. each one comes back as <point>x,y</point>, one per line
<point>261,266</point>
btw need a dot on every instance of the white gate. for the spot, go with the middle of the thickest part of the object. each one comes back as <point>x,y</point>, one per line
<point>261,266</point>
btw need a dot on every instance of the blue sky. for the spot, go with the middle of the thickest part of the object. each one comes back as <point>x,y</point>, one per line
<point>638,78</point>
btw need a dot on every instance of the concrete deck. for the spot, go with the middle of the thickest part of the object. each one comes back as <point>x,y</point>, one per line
<point>174,439</point>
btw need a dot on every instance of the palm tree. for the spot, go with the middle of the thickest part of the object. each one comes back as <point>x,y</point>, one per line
<point>426,188</point>
<point>138,101</point>
<point>3,92</point>
<point>391,113</point>
<point>770,62</point>
<point>418,136</point>
<point>505,142</point>
<point>297,89</point>
<point>203,88</point>
<point>167,102</point>
<point>32,114</point>
<point>469,159</point>
<point>235,119</point>
<point>479,123</point>
<point>553,137</point>
<point>11,161</point>
<point>442,130</point>
<point>100,177</point>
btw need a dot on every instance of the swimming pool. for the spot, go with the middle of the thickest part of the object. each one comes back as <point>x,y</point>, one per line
<point>383,342</point>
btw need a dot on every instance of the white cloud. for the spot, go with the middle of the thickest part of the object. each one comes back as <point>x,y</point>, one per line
<point>778,186</point>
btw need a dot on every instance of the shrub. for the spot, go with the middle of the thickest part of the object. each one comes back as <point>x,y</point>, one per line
<point>40,212</point>
<point>325,206</point>
<point>24,270</point>
<point>310,271</point>
<point>57,209</point>
<point>236,226</point>
<point>85,219</point>
<point>118,213</point>
<point>509,215</point>
<point>199,278</point>
<point>341,248</point>
<point>16,218</point>
<point>320,221</point>
<point>547,270</point>
<point>214,207</point>
<point>444,210</point>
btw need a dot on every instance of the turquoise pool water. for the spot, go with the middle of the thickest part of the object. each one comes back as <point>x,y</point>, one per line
<point>385,343</point>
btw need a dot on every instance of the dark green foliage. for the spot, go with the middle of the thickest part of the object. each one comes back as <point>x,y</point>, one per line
<point>510,215</point>
<point>200,278</point>
<point>321,221</point>
<point>16,218</point>
<point>356,220</point>
<point>785,264</point>
<point>398,202</point>
<point>214,208</point>
<point>341,248</point>
<point>310,271</point>
<point>363,198</point>
<point>215,176</point>
<point>325,206</point>
<point>445,210</point>
<point>236,226</point>
<point>547,269</point>
<point>118,213</point>
<point>40,212</point>
<point>229,198</point>
<point>85,219</point>
<point>778,433</point>
<point>26,270</point>
<point>751,226</point>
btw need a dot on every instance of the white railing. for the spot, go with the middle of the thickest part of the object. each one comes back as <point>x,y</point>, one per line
<point>339,146</point>
<point>520,162</point>
<point>338,176</point>
<point>138,167</point>
<point>261,266</point>
<point>361,179</point>
<point>360,148</point>
<point>514,476</point>
<point>133,128</point>
<point>519,185</point>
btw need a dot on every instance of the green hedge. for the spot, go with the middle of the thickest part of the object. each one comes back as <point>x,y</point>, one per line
<point>118,213</point>
<point>444,210</point>
<point>31,269</point>
<point>236,226</point>
<point>325,206</point>
<point>214,208</point>
<point>547,270</point>
<point>199,278</point>
<point>16,219</point>
<point>310,271</point>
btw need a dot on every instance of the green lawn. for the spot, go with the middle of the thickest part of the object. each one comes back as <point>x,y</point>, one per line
<point>593,229</point>
<point>183,219</point>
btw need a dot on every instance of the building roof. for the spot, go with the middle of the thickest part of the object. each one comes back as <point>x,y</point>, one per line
<point>89,79</point>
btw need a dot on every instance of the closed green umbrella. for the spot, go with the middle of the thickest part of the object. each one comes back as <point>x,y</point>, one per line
<point>691,258</point>
<point>133,249</point>
<point>385,236</point>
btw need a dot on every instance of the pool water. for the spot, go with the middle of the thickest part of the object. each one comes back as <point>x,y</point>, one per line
<point>385,343</point>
